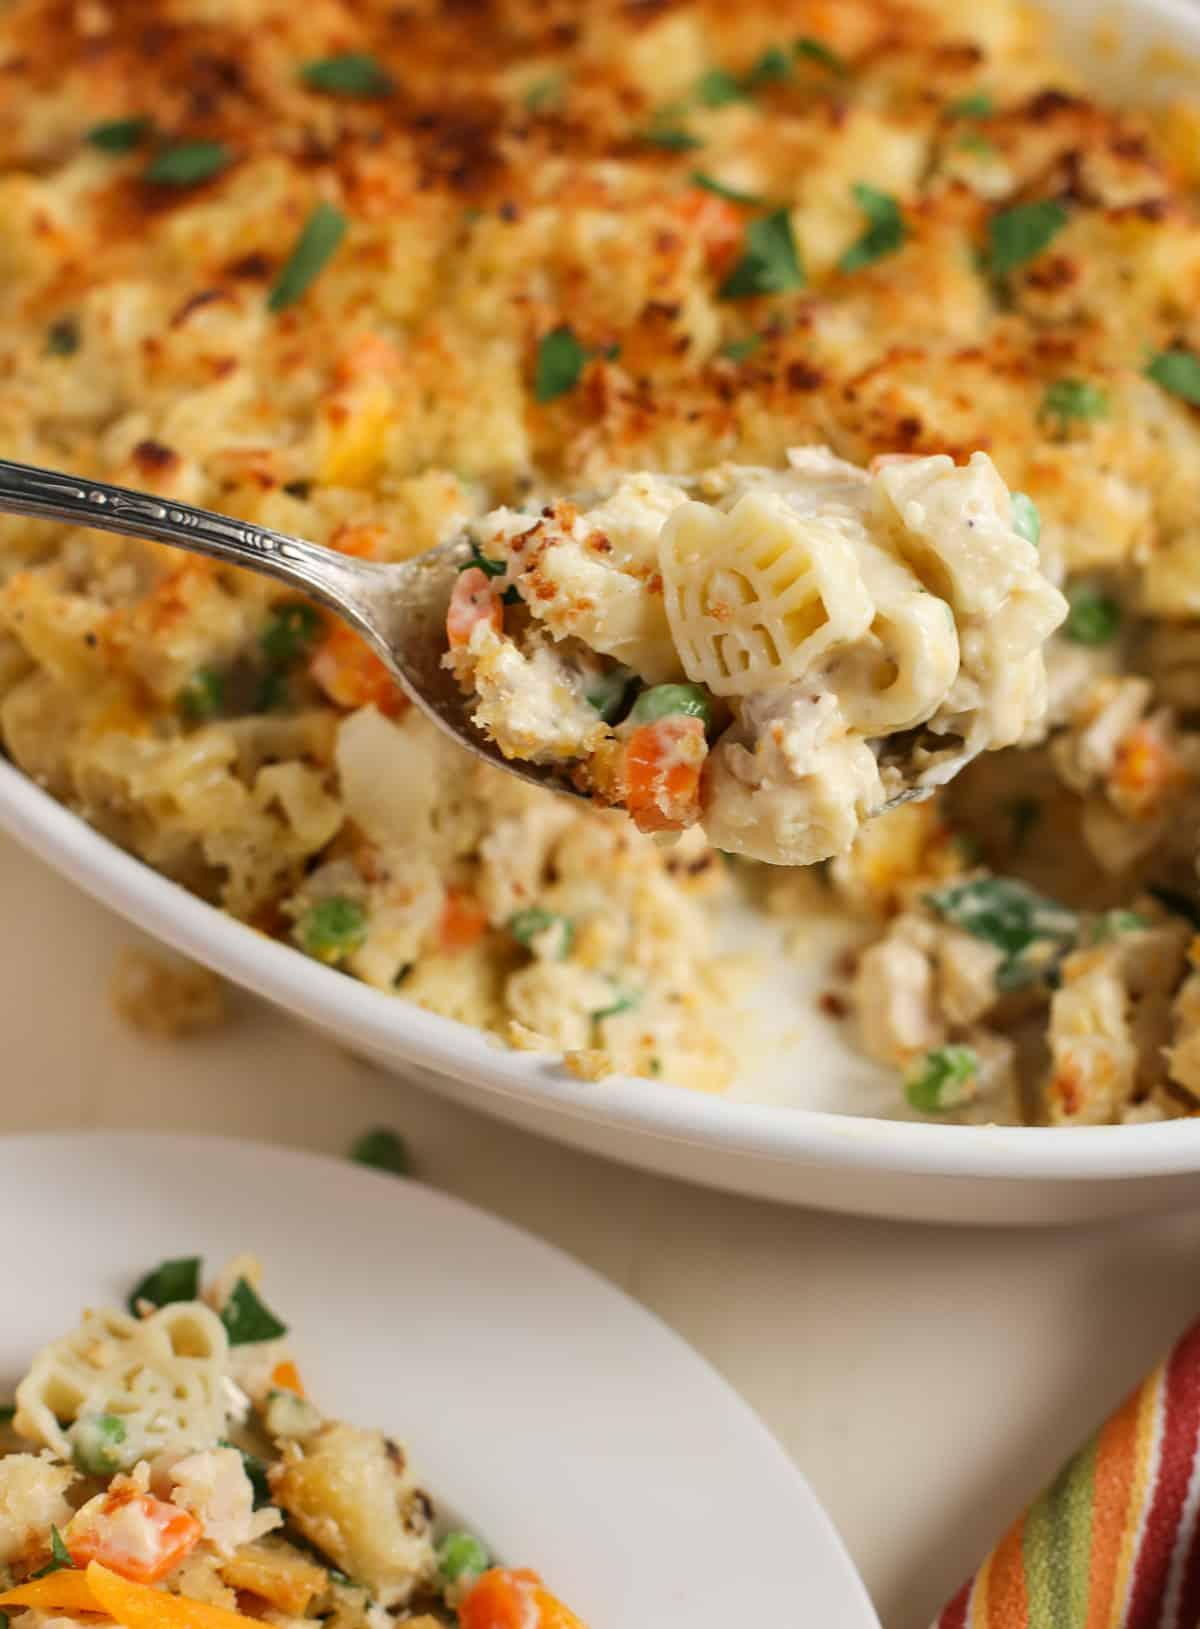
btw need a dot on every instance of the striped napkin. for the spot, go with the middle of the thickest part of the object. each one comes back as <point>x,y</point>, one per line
<point>1113,1542</point>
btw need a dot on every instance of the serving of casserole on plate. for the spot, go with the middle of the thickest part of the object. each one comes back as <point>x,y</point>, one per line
<point>162,1464</point>
<point>367,273</point>
<point>443,1427</point>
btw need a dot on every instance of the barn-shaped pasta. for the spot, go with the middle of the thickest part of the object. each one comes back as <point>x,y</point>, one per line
<point>161,1377</point>
<point>755,595</point>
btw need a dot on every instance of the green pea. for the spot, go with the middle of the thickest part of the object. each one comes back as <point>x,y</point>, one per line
<point>382,1149</point>
<point>333,928</point>
<point>97,1440</point>
<point>1027,523</point>
<point>461,1556</point>
<point>667,700</point>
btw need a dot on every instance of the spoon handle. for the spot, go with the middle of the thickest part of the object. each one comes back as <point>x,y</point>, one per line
<point>47,494</point>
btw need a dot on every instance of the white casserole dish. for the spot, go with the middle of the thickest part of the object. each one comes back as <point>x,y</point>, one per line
<point>802,1156</point>
<point>791,1148</point>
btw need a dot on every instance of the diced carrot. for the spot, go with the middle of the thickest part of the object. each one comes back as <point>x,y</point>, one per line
<point>661,773</point>
<point>351,675</point>
<point>463,921</point>
<point>473,600</point>
<point>137,1606</point>
<point>1145,768</point>
<point>285,1376</point>
<point>717,223</point>
<point>63,1591</point>
<point>174,1533</point>
<point>507,1599</point>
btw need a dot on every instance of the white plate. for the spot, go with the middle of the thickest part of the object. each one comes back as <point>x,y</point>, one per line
<point>776,1134</point>
<point>562,1420</point>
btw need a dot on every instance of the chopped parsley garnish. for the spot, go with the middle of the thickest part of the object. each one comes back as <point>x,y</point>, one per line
<point>817,51</point>
<point>203,695</point>
<point>732,194</point>
<point>770,263</point>
<point>1094,618</point>
<point>973,142</point>
<point>672,138</point>
<point>350,73</point>
<point>60,1557</point>
<point>247,1320</point>
<point>885,231</point>
<point>256,1473</point>
<point>1011,916</point>
<point>1021,233</point>
<point>529,924</point>
<point>560,361</point>
<point>979,105</point>
<point>460,1557</point>
<point>1177,371</point>
<point>290,629</point>
<point>770,68</point>
<point>654,1065</point>
<point>623,1001</point>
<point>170,1281</point>
<point>718,87</point>
<point>383,1150</point>
<point>483,562</point>
<point>943,1079</point>
<point>737,350</point>
<point>544,95</point>
<point>62,337</point>
<point>188,163</point>
<point>332,928</point>
<point>1068,399</point>
<point>317,244</point>
<point>1027,523</point>
<point>120,135</point>
<point>606,692</point>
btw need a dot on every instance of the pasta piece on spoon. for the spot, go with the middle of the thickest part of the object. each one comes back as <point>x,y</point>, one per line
<point>776,655</point>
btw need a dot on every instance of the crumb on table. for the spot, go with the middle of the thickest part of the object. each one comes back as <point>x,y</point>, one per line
<point>166,997</point>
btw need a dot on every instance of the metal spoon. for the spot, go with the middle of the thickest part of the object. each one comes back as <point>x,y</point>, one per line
<point>399,609</point>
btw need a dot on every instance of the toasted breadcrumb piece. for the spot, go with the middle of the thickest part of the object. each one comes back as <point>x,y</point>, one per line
<point>588,1063</point>
<point>168,999</point>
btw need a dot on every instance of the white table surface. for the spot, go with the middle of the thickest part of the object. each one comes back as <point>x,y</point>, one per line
<point>926,1381</point>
